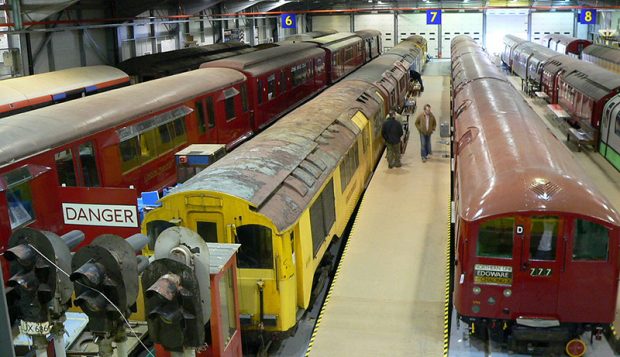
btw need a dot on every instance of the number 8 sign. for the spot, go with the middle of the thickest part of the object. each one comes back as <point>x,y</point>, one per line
<point>587,16</point>
<point>289,21</point>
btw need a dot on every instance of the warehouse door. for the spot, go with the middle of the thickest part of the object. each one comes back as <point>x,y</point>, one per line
<point>415,24</point>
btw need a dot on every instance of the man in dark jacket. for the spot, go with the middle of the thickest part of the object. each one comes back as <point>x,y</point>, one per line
<point>391,131</point>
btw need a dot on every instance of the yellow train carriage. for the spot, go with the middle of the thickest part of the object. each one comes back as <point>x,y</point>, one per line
<point>283,197</point>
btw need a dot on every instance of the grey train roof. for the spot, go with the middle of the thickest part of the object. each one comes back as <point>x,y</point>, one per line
<point>592,80</point>
<point>375,69</point>
<point>280,171</point>
<point>43,129</point>
<point>367,33</point>
<point>611,54</point>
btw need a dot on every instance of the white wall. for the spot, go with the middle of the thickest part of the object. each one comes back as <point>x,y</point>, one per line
<point>415,24</point>
<point>340,23</point>
<point>454,24</point>
<point>544,23</point>
<point>379,22</point>
<point>503,22</point>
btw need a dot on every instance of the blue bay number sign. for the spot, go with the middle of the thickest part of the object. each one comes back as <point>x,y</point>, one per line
<point>433,17</point>
<point>587,16</point>
<point>289,21</point>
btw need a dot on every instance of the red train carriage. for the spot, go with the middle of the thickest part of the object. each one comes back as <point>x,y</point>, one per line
<point>372,43</point>
<point>18,95</point>
<point>536,242</point>
<point>551,71</point>
<point>566,45</point>
<point>115,139</point>
<point>281,77</point>
<point>345,53</point>
<point>583,93</point>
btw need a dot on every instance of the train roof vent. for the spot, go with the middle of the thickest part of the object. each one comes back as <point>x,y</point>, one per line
<point>544,188</point>
<point>362,98</point>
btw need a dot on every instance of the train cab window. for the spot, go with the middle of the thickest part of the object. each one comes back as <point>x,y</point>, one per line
<point>207,230</point>
<point>230,108</point>
<point>65,168</point>
<point>227,301</point>
<point>543,237</point>
<point>130,153</point>
<point>495,238</point>
<point>88,162</point>
<point>19,196</point>
<point>210,112</point>
<point>244,97</point>
<point>179,131</point>
<point>348,54</point>
<point>200,117</point>
<point>617,128</point>
<point>320,66</point>
<point>256,251</point>
<point>154,229</point>
<point>591,241</point>
<point>259,92</point>
<point>271,87</point>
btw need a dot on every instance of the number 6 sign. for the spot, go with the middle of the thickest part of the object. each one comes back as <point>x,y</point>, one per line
<point>289,21</point>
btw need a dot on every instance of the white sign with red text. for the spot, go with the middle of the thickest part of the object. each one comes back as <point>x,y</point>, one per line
<point>100,215</point>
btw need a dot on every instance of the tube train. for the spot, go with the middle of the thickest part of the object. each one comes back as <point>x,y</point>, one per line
<point>285,194</point>
<point>587,92</point>
<point>536,243</point>
<point>604,56</point>
<point>19,95</point>
<point>53,158</point>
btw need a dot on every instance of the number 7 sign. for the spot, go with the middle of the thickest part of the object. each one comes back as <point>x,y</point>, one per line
<point>433,17</point>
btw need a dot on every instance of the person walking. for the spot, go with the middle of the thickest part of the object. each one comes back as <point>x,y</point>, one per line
<point>426,124</point>
<point>391,131</point>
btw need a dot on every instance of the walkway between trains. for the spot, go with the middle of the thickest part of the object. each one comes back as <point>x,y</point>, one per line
<point>388,296</point>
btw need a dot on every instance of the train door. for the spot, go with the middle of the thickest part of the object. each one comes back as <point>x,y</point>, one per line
<point>210,226</point>
<point>539,264</point>
<point>205,115</point>
<point>590,272</point>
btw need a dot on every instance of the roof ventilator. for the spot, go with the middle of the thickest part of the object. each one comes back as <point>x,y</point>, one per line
<point>544,189</point>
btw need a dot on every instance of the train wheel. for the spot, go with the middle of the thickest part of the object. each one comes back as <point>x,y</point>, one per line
<point>575,348</point>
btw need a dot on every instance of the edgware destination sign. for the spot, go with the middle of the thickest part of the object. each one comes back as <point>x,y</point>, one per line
<point>492,274</point>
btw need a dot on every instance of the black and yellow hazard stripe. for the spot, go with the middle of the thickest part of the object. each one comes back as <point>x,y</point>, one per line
<point>333,283</point>
<point>446,308</point>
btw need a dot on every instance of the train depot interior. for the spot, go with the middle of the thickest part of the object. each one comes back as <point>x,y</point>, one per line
<point>309,178</point>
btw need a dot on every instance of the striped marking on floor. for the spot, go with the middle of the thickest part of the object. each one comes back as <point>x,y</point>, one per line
<point>446,308</point>
<point>331,288</point>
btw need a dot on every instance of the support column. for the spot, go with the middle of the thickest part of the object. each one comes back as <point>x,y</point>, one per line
<point>575,22</point>
<point>352,22</point>
<point>152,32</point>
<point>484,29</point>
<point>439,42</point>
<point>396,35</point>
<point>529,25</point>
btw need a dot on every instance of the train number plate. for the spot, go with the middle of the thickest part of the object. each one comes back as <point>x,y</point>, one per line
<point>544,272</point>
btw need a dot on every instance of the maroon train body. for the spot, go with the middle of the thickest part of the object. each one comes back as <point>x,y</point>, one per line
<point>564,44</point>
<point>536,242</point>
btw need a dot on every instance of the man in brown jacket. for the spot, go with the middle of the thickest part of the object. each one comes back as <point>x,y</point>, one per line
<point>426,123</point>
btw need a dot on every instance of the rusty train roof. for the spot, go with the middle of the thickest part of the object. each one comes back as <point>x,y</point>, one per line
<point>46,128</point>
<point>368,33</point>
<point>280,171</point>
<point>610,54</point>
<point>594,81</point>
<point>268,59</point>
<point>509,162</point>
<point>334,38</point>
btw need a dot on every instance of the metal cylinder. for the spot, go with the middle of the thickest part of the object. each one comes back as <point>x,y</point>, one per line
<point>143,262</point>
<point>137,241</point>
<point>59,345</point>
<point>73,238</point>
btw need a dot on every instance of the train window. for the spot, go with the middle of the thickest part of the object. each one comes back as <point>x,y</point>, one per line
<point>365,139</point>
<point>348,166</point>
<point>320,66</point>
<point>179,131</point>
<point>227,301</point>
<point>348,54</point>
<point>271,87</point>
<point>200,117</point>
<point>89,165</point>
<point>210,112</point>
<point>230,108</point>
<point>543,237</point>
<point>591,241</point>
<point>259,93</point>
<point>19,199</point>
<point>495,238</point>
<point>322,216</point>
<point>154,229</point>
<point>244,97</point>
<point>617,128</point>
<point>282,82</point>
<point>65,168</point>
<point>256,250</point>
<point>207,230</point>
<point>130,153</point>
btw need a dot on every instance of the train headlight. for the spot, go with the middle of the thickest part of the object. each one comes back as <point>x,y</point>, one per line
<point>475,309</point>
<point>507,292</point>
<point>476,290</point>
<point>491,300</point>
